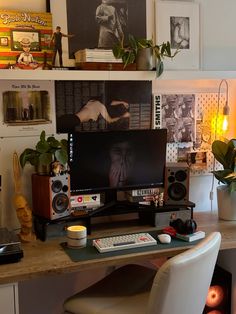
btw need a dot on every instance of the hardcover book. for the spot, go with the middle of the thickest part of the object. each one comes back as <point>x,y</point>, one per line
<point>191,237</point>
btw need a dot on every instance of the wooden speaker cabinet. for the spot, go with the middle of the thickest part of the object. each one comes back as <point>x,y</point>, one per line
<point>51,196</point>
<point>176,184</point>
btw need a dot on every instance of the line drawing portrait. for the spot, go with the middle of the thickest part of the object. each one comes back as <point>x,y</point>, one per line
<point>179,32</point>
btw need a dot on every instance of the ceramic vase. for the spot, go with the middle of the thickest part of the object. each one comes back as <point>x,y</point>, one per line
<point>226,203</point>
<point>144,59</point>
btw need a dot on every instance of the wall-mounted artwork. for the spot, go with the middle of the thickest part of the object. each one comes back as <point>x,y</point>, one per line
<point>177,115</point>
<point>99,23</point>
<point>178,23</point>
<point>25,39</point>
<point>103,105</point>
<point>26,108</point>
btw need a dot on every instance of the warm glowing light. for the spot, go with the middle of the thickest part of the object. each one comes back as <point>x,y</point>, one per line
<point>225,124</point>
<point>217,125</point>
<point>76,228</point>
<point>215,296</point>
<point>215,312</point>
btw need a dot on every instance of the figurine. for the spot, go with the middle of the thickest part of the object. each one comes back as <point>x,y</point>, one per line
<point>57,45</point>
<point>23,211</point>
<point>24,215</point>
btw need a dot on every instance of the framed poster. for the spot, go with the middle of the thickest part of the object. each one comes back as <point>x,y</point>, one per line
<point>178,23</point>
<point>103,105</point>
<point>83,19</point>
<point>25,39</point>
<point>27,108</point>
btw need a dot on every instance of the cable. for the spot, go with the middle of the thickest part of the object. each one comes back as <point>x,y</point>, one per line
<point>225,111</point>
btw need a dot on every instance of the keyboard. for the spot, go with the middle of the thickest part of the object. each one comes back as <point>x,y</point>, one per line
<point>122,242</point>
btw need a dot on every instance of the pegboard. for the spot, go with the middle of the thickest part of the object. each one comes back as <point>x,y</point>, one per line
<point>205,109</point>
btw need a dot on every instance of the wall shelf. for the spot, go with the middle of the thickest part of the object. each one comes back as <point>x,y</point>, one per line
<point>72,75</point>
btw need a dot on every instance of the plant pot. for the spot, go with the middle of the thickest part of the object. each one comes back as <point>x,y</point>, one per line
<point>43,169</point>
<point>144,59</point>
<point>226,203</point>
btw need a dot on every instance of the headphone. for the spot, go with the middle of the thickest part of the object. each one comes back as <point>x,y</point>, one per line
<point>184,227</point>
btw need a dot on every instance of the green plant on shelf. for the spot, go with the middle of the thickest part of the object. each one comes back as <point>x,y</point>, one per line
<point>128,52</point>
<point>47,151</point>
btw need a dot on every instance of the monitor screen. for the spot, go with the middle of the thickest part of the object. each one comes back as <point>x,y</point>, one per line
<point>119,160</point>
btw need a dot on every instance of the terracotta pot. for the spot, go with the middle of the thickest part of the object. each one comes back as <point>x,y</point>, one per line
<point>226,203</point>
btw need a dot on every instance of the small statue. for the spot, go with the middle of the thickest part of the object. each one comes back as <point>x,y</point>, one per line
<point>23,211</point>
<point>24,215</point>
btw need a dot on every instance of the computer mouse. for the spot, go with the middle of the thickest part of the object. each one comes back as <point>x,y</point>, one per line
<point>164,238</point>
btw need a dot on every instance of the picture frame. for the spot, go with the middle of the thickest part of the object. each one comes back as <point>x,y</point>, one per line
<point>3,41</point>
<point>28,107</point>
<point>178,23</point>
<point>33,35</point>
<point>78,18</point>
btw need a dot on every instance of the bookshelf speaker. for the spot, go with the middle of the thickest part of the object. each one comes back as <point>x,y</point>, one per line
<point>51,196</point>
<point>176,184</point>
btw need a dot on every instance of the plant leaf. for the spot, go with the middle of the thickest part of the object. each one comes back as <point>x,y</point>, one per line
<point>61,156</point>
<point>159,68</point>
<point>219,150</point>
<point>45,159</point>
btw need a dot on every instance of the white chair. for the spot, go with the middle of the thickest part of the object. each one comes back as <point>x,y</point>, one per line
<point>180,285</point>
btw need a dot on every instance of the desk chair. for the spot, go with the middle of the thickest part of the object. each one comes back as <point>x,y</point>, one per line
<point>180,285</point>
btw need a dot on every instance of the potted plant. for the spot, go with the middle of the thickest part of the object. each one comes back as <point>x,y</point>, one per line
<point>137,48</point>
<point>47,151</point>
<point>225,154</point>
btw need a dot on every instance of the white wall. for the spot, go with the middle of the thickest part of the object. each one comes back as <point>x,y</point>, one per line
<point>218,51</point>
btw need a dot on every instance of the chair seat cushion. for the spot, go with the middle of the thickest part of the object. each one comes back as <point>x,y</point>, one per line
<point>113,295</point>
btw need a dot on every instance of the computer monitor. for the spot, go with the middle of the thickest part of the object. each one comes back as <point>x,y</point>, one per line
<point>116,160</point>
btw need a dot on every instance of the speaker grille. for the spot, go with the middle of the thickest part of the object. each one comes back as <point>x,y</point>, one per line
<point>60,203</point>
<point>177,191</point>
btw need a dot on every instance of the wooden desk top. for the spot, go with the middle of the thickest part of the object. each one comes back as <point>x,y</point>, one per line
<point>48,258</point>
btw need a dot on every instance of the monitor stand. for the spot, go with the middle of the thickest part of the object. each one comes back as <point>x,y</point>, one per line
<point>114,206</point>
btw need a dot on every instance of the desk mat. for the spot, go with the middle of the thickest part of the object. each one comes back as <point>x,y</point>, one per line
<point>90,252</point>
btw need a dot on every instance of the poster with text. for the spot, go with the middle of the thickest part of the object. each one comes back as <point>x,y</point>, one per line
<point>27,108</point>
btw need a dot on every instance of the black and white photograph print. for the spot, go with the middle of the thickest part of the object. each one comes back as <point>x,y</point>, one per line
<point>103,105</point>
<point>179,29</point>
<point>179,117</point>
<point>100,23</point>
<point>178,23</point>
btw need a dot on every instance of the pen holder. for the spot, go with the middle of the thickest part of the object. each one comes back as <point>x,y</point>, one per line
<point>76,236</point>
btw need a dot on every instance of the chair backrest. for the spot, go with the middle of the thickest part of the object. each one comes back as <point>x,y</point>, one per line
<point>181,284</point>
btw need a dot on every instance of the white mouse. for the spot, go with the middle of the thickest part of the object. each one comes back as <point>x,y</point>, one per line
<point>164,238</point>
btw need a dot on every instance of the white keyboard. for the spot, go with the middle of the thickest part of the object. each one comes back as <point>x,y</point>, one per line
<point>122,242</point>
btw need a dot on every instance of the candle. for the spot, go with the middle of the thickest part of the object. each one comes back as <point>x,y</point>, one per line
<point>76,236</point>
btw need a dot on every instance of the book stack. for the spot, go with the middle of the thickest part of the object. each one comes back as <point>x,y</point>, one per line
<point>191,237</point>
<point>100,59</point>
<point>142,195</point>
<point>96,55</point>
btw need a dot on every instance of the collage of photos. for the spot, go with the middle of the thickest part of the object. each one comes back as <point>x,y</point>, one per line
<point>179,117</point>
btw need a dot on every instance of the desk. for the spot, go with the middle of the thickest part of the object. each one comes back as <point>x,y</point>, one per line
<point>43,259</point>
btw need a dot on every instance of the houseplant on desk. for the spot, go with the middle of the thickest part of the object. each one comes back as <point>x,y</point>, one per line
<point>47,151</point>
<point>225,154</point>
<point>144,52</point>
